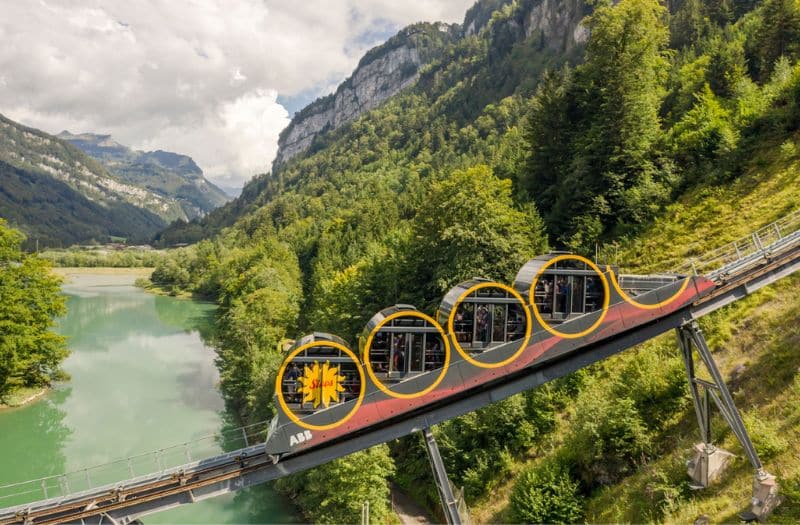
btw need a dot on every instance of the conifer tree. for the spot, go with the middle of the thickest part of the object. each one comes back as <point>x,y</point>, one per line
<point>778,34</point>
<point>621,89</point>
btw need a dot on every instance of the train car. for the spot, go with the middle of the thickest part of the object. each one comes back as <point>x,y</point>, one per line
<point>482,331</point>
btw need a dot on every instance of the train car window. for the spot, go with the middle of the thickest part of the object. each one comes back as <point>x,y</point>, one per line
<point>415,350</point>
<point>499,319</point>
<point>563,293</point>
<point>490,316</point>
<point>490,292</point>
<point>482,325</point>
<point>313,381</point>
<point>569,264</point>
<point>434,352</point>
<point>577,286</point>
<point>406,352</point>
<point>515,327</point>
<point>568,289</point>
<point>323,351</point>
<point>544,294</point>
<point>401,349</point>
<point>463,326</point>
<point>398,354</point>
<point>594,294</point>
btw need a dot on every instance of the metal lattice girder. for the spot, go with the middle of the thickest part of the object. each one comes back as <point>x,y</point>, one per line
<point>690,336</point>
<point>706,466</point>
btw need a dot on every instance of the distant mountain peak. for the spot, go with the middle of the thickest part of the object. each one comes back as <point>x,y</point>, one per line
<point>169,174</point>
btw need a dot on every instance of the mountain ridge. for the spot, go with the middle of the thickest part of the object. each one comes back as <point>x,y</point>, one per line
<point>171,175</point>
<point>382,72</point>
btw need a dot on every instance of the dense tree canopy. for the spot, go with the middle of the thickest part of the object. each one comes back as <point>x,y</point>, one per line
<point>30,299</point>
<point>594,164</point>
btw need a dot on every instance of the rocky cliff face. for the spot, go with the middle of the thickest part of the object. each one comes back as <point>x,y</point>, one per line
<point>393,66</point>
<point>557,23</point>
<point>478,16</point>
<point>382,72</point>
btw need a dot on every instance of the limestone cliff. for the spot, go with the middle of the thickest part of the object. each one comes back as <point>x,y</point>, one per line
<point>395,65</point>
<point>557,23</point>
<point>381,73</point>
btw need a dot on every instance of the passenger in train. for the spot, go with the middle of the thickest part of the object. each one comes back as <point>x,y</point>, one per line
<point>548,295</point>
<point>463,324</point>
<point>482,319</point>
<point>561,295</point>
<point>292,376</point>
<point>398,342</point>
<point>399,359</point>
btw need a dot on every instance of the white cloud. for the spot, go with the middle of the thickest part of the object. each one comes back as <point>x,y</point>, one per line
<point>195,77</point>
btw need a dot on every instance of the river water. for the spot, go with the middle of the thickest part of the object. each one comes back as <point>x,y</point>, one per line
<point>141,379</point>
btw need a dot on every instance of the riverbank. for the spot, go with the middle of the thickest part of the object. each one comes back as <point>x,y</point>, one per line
<point>169,291</point>
<point>22,397</point>
<point>150,287</point>
<point>66,273</point>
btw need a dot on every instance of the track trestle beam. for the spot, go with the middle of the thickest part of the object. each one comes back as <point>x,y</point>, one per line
<point>710,461</point>
<point>443,486</point>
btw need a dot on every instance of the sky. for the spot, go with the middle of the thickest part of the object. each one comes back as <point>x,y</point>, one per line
<point>213,79</point>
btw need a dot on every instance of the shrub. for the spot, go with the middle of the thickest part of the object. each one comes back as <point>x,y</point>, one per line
<point>656,383</point>
<point>608,439</point>
<point>765,435</point>
<point>546,494</point>
<point>478,447</point>
<point>335,492</point>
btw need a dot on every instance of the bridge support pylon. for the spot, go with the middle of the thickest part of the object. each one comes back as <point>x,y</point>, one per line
<point>449,501</point>
<point>709,461</point>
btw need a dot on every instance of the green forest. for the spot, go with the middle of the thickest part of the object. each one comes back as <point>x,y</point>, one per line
<point>673,123</point>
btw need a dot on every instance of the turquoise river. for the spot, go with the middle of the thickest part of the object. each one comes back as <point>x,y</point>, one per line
<point>142,378</point>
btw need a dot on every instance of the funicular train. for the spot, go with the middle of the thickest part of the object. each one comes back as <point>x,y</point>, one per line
<point>482,331</point>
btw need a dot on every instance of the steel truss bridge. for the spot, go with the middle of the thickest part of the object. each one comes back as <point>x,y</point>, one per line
<point>124,491</point>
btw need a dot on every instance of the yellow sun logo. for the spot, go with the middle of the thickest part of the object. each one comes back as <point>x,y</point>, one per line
<point>321,384</point>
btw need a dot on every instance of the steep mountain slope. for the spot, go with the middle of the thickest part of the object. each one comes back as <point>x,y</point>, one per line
<point>170,175</point>
<point>381,73</point>
<point>754,342</point>
<point>501,49</point>
<point>54,192</point>
<point>53,214</point>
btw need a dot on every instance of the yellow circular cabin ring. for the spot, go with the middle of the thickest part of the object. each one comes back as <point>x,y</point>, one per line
<point>523,342</point>
<point>376,330</point>
<point>606,297</point>
<point>279,382</point>
<point>630,300</point>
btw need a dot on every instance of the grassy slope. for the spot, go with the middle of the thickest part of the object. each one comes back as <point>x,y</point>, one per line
<point>711,216</point>
<point>762,333</point>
